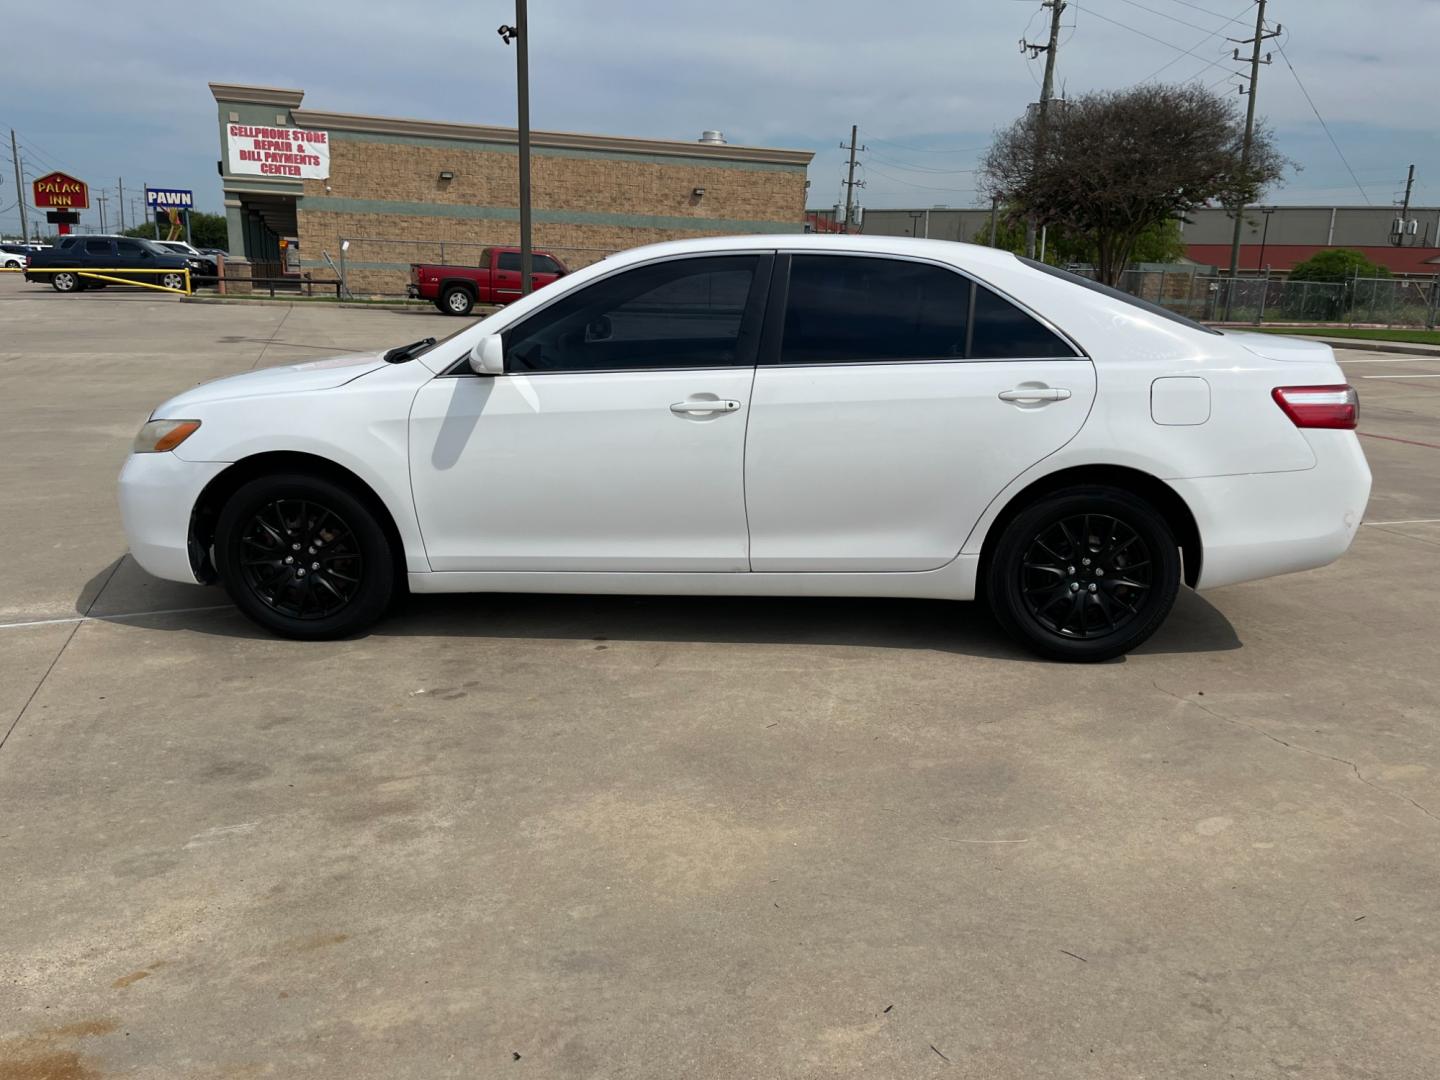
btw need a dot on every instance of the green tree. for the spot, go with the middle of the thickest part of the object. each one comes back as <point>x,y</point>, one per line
<point>1337,265</point>
<point>1159,243</point>
<point>206,230</point>
<point>1111,166</point>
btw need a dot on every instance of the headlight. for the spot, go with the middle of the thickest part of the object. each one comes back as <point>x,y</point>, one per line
<point>158,436</point>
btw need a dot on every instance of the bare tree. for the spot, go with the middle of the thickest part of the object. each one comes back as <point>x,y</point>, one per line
<point>1113,164</point>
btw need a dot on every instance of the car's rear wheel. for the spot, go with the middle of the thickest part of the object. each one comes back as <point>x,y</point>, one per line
<point>457,301</point>
<point>304,557</point>
<point>64,282</point>
<point>1085,574</point>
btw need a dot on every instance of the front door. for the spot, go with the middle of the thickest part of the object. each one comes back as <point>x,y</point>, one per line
<point>897,400</point>
<point>614,441</point>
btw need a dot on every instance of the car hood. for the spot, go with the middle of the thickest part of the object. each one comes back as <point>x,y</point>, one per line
<point>287,379</point>
<point>1280,347</point>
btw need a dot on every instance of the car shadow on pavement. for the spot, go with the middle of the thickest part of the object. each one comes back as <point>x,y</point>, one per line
<point>125,594</point>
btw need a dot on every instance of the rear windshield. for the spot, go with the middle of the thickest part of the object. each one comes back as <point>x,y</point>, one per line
<point>1116,294</point>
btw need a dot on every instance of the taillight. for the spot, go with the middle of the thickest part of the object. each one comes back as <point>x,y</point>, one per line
<point>1319,406</point>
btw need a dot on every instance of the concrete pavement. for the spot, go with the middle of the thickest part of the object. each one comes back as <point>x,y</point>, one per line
<point>592,837</point>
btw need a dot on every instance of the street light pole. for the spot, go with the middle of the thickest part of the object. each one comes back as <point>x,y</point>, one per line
<point>1264,236</point>
<point>519,34</point>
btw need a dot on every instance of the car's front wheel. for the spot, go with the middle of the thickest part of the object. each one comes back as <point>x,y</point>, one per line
<point>1084,574</point>
<point>173,281</point>
<point>304,557</point>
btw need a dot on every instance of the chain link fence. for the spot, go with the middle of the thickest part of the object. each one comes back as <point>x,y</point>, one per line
<point>1209,297</point>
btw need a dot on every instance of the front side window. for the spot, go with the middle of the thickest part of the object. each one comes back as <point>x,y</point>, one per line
<point>546,265</point>
<point>683,313</point>
<point>508,260</point>
<point>846,309</point>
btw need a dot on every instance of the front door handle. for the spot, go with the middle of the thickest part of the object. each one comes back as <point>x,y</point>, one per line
<point>705,405</point>
<point>1026,394</point>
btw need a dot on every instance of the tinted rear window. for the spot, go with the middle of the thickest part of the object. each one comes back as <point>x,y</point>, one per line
<point>1116,294</point>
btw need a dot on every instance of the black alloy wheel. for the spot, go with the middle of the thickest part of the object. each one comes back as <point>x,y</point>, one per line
<point>304,557</point>
<point>301,558</point>
<point>1085,574</point>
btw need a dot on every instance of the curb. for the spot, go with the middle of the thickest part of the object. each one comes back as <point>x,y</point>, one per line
<point>420,309</point>
<point>1362,345</point>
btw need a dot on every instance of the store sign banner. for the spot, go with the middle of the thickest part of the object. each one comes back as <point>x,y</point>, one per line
<point>284,153</point>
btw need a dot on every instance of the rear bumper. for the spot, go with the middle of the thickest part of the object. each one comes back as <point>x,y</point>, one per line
<point>412,291</point>
<point>1262,524</point>
<point>157,494</point>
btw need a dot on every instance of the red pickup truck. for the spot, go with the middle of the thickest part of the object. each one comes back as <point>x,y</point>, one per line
<point>457,289</point>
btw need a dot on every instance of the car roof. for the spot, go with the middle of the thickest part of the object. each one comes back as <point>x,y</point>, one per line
<point>944,250</point>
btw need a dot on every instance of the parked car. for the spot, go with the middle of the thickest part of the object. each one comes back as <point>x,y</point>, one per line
<point>119,254</point>
<point>455,290</point>
<point>785,415</point>
<point>180,247</point>
<point>13,256</point>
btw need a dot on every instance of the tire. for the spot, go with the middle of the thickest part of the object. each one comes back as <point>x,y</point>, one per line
<point>173,281</point>
<point>328,592</point>
<point>13,264</point>
<point>66,282</point>
<point>457,301</point>
<point>1051,541</point>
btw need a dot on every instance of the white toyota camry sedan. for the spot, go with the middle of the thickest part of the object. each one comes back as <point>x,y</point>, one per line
<point>769,415</point>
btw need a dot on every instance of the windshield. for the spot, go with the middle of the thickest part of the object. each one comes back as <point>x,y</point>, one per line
<point>1116,294</point>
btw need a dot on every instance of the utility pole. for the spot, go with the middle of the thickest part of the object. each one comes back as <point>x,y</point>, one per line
<point>1047,88</point>
<point>521,32</point>
<point>100,198</point>
<point>19,188</point>
<point>1405,208</point>
<point>1261,36</point>
<point>121,202</point>
<point>850,182</point>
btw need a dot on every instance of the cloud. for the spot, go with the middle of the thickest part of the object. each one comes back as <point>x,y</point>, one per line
<point>926,80</point>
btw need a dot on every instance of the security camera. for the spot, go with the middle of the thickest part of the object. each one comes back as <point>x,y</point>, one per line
<point>508,34</point>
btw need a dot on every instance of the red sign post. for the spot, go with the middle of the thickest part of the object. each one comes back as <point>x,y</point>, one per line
<point>57,191</point>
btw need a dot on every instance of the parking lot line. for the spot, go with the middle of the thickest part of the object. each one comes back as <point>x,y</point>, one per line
<point>1400,376</point>
<point>110,618</point>
<point>1412,521</point>
<point>1396,438</point>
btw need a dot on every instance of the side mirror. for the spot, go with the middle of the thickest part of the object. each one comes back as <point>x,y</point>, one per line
<point>488,356</point>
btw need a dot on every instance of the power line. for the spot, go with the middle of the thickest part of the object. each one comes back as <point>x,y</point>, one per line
<point>917,168</point>
<point>929,149</point>
<point>1197,7</point>
<point>1325,126</point>
<point>1142,33</point>
<point>1172,18</point>
<point>911,183</point>
<point>1214,33</point>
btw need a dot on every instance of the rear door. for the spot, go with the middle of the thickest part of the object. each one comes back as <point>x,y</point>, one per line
<point>894,399</point>
<point>98,254</point>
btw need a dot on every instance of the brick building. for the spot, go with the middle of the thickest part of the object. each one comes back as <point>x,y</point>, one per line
<point>403,191</point>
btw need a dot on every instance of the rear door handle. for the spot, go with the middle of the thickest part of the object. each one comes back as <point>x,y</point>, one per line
<point>1034,393</point>
<point>705,405</point>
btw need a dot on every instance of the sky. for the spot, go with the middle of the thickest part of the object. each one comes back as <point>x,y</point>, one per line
<point>927,81</point>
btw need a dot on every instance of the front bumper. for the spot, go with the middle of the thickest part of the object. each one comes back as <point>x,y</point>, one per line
<point>158,493</point>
